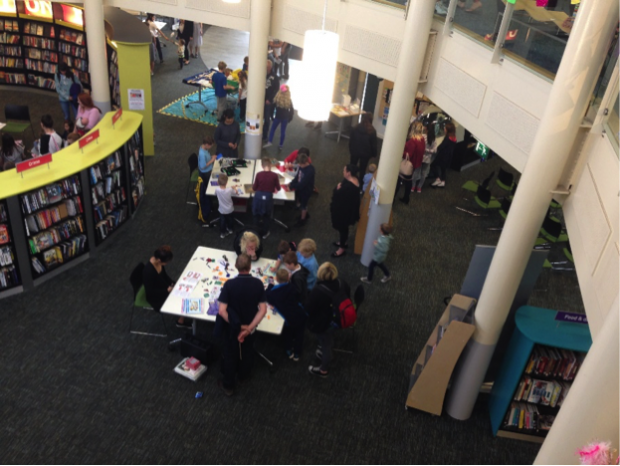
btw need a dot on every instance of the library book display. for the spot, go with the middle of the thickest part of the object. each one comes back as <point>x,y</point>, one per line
<point>544,356</point>
<point>55,214</point>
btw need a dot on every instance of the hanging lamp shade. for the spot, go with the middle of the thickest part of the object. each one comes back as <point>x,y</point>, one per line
<point>316,83</point>
<point>237,1</point>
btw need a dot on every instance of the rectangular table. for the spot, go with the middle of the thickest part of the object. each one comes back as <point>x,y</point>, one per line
<point>281,196</point>
<point>208,289</point>
<point>342,113</point>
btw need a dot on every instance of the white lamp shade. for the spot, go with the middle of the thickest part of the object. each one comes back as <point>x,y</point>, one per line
<point>318,73</point>
<point>231,1</point>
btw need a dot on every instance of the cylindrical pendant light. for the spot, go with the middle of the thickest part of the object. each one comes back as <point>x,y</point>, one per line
<point>316,82</point>
<point>318,73</point>
<point>237,1</point>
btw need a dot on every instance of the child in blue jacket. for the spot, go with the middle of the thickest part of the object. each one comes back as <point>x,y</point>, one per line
<point>382,246</point>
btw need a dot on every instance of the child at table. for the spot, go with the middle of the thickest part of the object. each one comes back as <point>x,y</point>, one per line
<point>305,256</point>
<point>225,207</point>
<point>283,248</point>
<point>284,297</point>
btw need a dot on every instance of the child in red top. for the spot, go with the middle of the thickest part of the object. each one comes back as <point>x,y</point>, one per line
<point>414,151</point>
<point>265,185</point>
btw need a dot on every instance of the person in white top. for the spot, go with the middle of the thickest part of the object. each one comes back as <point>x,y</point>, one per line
<point>196,42</point>
<point>50,140</point>
<point>156,32</point>
<point>226,207</point>
<point>243,94</point>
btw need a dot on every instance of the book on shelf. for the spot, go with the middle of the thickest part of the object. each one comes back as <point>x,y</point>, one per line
<point>4,234</point>
<point>8,277</point>
<point>6,256</point>
<point>183,369</point>
<point>554,363</point>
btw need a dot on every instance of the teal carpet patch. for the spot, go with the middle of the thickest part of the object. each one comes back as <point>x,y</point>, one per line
<point>190,107</point>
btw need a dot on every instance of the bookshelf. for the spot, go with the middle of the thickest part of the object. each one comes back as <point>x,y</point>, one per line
<point>542,360</point>
<point>54,224</point>
<point>432,370</point>
<point>108,195</point>
<point>135,155</point>
<point>115,88</point>
<point>9,272</point>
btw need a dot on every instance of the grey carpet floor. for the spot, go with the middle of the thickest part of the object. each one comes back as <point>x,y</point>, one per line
<point>76,387</point>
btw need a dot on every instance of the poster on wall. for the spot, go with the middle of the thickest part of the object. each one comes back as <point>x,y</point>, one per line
<point>136,99</point>
<point>252,124</point>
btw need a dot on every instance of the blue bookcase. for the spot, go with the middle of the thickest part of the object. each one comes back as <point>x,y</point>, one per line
<point>534,326</point>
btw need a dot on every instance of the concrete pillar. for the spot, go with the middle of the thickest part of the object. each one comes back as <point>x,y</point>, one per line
<point>590,410</point>
<point>410,62</point>
<point>260,19</point>
<point>581,64</point>
<point>96,44</point>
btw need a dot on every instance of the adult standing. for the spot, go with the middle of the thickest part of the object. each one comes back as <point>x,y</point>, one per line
<point>66,87</point>
<point>363,143</point>
<point>444,155</point>
<point>284,112</point>
<point>414,152</point>
<point>196,42</point>
<point>220,86</point>
<point>430,152</point>
<point>186,32</point>
<point>345,207</point>
<point>155,32</point>
<point>303,184</point>
<point>243,305</point>
<point>272,85</point>
<point>320,314</point>
<point>227,135</point>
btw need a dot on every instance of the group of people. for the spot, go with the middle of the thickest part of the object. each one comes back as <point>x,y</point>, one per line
<point>188,41</point>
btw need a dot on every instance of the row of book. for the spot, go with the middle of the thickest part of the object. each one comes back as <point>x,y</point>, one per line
<point>59,254</point>
<point>137,192</point>
<point>527,417</point>
<point>39,30</point>
<point>554,362</point>
<point>110,203</point>
<point>97,172</point>
<point>6,38</point>
<point>46,218</point>
<point>6,256</point>
<point>9,25</point>
<point>72,206</point>
<point>51,194</point>
<point>73,50</point>
<point>4,234</point>
<point>544,392</point>
<point>72,36</point>
<point>11,50</point>
<point>55,235</point>
<point>39,42</point>
<point>37,54</point>
<point>4,213</point>
<point>76,63</point>
<point>43,66</point>
<point>83,76</point>
<point>8,277</point>
<point>8,62</point>
<point>40,81</point>
<point>109,189</point>
<point>111,222</point>
<point>12,78</point>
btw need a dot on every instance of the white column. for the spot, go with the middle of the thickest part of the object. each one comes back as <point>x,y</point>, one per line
<point>581,64</point>
<point>260,19</point>
<point>410,62</point>
<point>96,44</point>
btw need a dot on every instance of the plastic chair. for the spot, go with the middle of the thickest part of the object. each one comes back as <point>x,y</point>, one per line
<point>503,210</point>
<point>505,180</point>
<point>485,200</point>
<point>139,300</point>
<point>192,162</point>
<point>551,230</point>
<point>474,185</point>
<point>17,119</point>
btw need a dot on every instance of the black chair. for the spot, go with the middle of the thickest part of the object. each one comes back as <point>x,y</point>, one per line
<point>192,162</point>
<point>358,298</point>
<point>17,119</point>
<point>505,180</point>
<point>139,300</point>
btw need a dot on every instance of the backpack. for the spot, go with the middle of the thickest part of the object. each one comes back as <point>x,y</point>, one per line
<point>344,314</point>
<point>406,167</point>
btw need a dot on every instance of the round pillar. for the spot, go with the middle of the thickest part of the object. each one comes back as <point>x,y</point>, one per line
<point>96,45</point>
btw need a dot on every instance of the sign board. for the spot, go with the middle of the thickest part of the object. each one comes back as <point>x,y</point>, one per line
<point>573,317</point>
<point>136,99</point>
<point>33,163</point>
<point>39,9</point>
<point>7,8</point>
<point>84,141</point>
<point>117,115</point>
<point>481,150</point>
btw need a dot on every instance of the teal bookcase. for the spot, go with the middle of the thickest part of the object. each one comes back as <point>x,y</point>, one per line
<point>534,326</point>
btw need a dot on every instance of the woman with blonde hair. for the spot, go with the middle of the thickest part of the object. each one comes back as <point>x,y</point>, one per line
<point>248,242</point>
<point>243,94</point>
<point>414,153</point>
<point>284,112</point>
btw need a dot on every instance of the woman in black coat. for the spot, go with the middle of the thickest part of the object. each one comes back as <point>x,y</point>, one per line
<point>345,207</point>
<point>187,35</point>
<point>363,144</point>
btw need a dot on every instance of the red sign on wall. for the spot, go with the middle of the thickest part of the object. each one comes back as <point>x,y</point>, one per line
<point>33,163</point>
<point>88,139</point>
<point>38,8</point>
<point>117,115</point>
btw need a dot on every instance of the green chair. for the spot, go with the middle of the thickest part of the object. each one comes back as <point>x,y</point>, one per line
<point>505,207</point>
<point>17,119</point>
<point>139,300</point>
<point>505,180</point>
<point>552,231</point>
<point>192,162</point>
<point>474,185</point>
<point>485,200</point>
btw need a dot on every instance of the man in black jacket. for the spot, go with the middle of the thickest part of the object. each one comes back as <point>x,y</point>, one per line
<point>272,85</point>
<point>187,35</point>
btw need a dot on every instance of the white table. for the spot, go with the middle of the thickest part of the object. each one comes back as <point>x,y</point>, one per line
<point>237,182</point>
<point>342,113</point>
<point>281,196</point>
<point>212,272</point>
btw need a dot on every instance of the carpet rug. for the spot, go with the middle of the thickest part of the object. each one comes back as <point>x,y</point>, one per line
<point>187,109</point>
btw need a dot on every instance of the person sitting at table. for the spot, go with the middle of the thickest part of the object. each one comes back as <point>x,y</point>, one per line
<point>265,185</point>
<point>220,86</point>
<point>247,242</point>
<point>50,141</point>
<point>227,135</point>
<point>157,283</point>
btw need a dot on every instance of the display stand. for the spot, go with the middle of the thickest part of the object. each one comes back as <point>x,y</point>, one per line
<point>542,349</point>
<point>433,368</point>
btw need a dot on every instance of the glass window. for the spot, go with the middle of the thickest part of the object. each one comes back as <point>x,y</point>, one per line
<point>479,19</point>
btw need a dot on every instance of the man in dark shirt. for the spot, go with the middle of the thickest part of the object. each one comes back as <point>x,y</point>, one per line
<point>303,185</point>
<point>272,85</point>
<point>242,306</point>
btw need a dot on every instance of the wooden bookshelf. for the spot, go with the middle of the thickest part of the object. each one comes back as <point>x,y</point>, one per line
<point>542,360</point>
<point>432,370</point>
